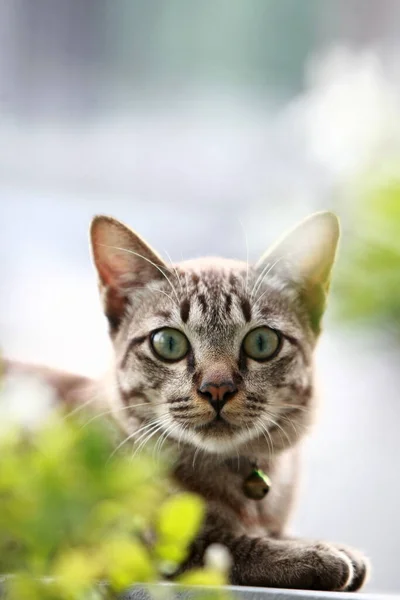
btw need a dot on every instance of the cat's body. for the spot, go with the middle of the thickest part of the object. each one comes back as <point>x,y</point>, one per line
<point>215,358</point>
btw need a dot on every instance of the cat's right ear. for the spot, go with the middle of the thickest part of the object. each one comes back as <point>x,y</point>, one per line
<point>307,254</point>
<point>123,262</point>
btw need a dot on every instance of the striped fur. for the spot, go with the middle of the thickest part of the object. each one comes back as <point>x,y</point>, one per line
<point>216,333</point>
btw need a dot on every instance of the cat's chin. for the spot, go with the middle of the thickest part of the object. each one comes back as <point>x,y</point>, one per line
<point>218,437</point>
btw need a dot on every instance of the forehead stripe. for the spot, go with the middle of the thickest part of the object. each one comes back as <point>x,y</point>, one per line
<point>185,309</point>
<point>228,303</point>
<point>203,303</point>
<point>246,309</point>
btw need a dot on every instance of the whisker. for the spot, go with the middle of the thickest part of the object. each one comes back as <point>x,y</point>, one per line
<point>168,296</point>
<point>247,256</point>
<point>303,426</point>
<point>254,290</point>
<point>148,435</point>
<point>266,270</point>
<point>165,433</point>
<point>276,423</point>
<point>175,269</point>
<point>267,436</point>
<point>145,287</point>
<point>248,429</point>
<point>81,407</point>
<point>195,455</point>
<point>146,439</point>
<point>267,273</point>
<point>290,421</point>
<point>165,436</point>
<point>187,283</point>
<point>186,279</point>
<point>155,422</point>
<point>183,430</point>
<point>114,410</point>
<point>129,437</point>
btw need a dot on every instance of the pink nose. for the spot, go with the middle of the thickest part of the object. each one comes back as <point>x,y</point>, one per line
<point>217,394</point>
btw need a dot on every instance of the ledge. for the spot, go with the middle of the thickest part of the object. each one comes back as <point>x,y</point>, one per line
<point>246,593</point>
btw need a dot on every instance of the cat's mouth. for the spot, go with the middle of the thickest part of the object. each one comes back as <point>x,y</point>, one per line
<point>218,417</point>
<point>218,423</point>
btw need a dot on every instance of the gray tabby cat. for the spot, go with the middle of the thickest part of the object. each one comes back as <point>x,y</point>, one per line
<point>216,357</point>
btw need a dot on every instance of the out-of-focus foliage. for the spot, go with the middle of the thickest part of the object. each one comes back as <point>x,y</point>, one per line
<point>367,281</point>
<point>71,517</point>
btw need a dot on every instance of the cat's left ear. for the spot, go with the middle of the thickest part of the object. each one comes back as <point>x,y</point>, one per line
<point>307,254</point>
<point>124,262</point>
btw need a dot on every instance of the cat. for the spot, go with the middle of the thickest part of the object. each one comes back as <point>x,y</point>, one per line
<point>215,356</point>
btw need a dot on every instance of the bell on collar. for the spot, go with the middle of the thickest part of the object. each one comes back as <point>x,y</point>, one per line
<point>257,485</point>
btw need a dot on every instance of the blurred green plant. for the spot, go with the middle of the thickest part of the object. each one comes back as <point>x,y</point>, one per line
<point>367,281</point>
<point>71,518</point>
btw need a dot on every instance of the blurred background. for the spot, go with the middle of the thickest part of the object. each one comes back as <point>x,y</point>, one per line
<point>201,124</point>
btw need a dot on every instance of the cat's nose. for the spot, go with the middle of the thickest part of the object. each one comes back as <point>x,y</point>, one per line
<point>217,394</point>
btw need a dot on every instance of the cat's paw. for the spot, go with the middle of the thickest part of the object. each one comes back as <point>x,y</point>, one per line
<point>330,568</point>
<point>298,564</point>
<point>361,568</point>
<point>321,566</point>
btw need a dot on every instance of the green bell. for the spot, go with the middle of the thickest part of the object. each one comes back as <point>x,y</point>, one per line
<point>257,485</point>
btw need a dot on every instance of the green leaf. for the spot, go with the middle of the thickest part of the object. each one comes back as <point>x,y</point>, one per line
<point>210,577</point>
<point>180,518</point>
<point>125,562</point>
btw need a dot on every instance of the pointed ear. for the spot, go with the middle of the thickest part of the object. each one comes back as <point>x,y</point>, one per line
<point>123,261</point>
<point>307,254</point>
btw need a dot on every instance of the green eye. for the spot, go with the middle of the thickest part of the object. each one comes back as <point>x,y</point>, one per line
<point>170,344</point>
<point>262,343</point>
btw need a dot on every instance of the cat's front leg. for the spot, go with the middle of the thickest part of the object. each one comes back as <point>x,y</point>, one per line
<point>294,564</point>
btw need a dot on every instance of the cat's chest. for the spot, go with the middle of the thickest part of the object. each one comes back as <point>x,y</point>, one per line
<point>262,517</point>
<point>221,484</point>
<point>271,514</point>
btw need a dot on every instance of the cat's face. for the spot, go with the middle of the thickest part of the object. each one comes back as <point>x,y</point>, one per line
<point>213,352</point>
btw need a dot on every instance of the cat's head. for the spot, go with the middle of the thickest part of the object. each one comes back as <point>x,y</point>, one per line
<point>212,352</point>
